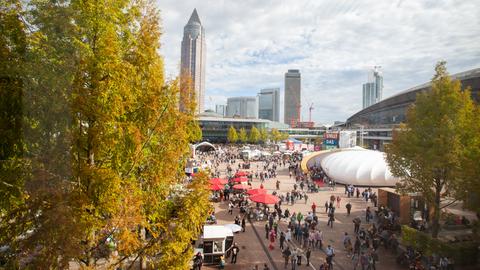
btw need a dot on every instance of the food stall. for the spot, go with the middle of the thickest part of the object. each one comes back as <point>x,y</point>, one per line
<point>215,241</point>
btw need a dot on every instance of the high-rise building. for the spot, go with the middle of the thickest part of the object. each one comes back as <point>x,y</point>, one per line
<point>269,104</point>
<point>193,61</point>
<point>243,107</point>
<point>372,90</point>
<point>220,109</point>
<point>293,96</point>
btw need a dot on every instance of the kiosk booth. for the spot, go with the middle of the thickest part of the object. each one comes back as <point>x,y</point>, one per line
<point>215,241</point>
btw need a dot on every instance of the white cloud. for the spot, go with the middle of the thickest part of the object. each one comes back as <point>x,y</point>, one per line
<point>251,44</point>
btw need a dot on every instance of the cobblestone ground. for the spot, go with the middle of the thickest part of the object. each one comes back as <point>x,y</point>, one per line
<point>254,246</point>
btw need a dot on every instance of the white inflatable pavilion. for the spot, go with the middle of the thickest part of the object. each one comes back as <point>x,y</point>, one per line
<point>357,166</point>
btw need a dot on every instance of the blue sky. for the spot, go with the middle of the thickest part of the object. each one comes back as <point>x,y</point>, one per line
<point>251,44</point>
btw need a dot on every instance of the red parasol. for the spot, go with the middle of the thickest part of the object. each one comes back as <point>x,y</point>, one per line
<point>240,179</point>
<point>241,174</point>
<point>218,181</point>
<point>242,186</point>
<point>216,187</point>
<point>264,198</point>
<point>256,191</point>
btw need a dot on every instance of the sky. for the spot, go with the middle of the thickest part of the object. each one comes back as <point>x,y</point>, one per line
<point>334,44</point>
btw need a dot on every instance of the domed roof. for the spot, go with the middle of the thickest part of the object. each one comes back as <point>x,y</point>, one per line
<point>355,166</point>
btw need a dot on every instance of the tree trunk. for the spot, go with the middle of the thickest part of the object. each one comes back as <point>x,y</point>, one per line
<point>436,212</point>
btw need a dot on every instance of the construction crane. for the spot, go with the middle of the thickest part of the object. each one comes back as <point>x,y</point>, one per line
<point>310,109</point>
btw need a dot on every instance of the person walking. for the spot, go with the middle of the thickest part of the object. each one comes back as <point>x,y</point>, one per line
<point>308,253</point>
<point>326,207</point>
<point>356,223</point>
<point>349,208</point>
<point>293,259</point>
<point>330,254</point>
<point>235,251</point>
<point>286,255</point>
<point>331,219</point>
<point>272,237</point>
<point>314,208</point>
<point>299,256</point>
<point>243,224</point>
<point>198,261</point>
<point>282,240</point>
<point>368,214</point>
<point>338,201</point>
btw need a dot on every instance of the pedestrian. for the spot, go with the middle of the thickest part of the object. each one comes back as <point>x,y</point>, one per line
<point>198,261</point>
<point>282,240</point>
<point>330,254</point>
<point>235,251</point>
<point>356,223</point>
<point>272,237</point>
<point>368,214</point>
<point>286,255</point>
<point>230,208</point>
<point>288,235</point>
<point>293,259</point>
<point>221,264</point>
<point>349,208</point>
<point>299,256</point>
<point>331,219</point>
<point>338,201</point>
<point>308,253</point>
<point>326,206</point>
<point>267,230</point>
<point>243,224</point>
<point>314,208</point>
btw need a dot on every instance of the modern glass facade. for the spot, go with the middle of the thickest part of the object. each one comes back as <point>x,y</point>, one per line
<point>269,104</point>
<point>373,90</point>
<point>244,107</point>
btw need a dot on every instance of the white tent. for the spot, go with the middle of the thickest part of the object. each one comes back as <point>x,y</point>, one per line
<point>355,166</point>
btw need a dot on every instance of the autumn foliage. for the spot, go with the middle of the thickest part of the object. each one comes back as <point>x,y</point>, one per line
<point>92,169</point>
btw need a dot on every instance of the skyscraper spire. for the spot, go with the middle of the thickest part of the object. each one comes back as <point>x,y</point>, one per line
<point>194,18</point>
<point>193,62</point>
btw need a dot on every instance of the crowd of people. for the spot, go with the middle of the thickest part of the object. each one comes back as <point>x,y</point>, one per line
<point>297,234</point>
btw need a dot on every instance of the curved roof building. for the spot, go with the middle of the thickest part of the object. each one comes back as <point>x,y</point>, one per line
<point>356,166</point>
<point>392,110</point>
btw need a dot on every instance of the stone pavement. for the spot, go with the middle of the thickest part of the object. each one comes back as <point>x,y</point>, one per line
<point>254,246</point>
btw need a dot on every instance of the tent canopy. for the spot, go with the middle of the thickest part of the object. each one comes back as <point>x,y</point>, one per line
<point>205,146</point>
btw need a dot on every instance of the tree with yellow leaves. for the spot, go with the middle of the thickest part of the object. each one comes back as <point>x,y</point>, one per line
<point>104,154</point>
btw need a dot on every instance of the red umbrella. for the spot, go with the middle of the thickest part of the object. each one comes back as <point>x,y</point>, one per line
<point>216,187</point>
<point>256,191</point>
<point>241,174</point>
<point>242,186</point>
<point>264,198</point>
<point>218,181</point>
<point>240,179</point>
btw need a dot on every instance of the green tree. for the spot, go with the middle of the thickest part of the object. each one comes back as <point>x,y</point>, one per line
<point>242,135</point>
<point>232,135</point>
<point>263,135</point>
<point>427,151</point>
<point>276,135</point>
<point>254,135</point>
<point>97,151</point>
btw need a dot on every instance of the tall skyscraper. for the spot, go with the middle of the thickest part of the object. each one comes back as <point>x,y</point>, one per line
<point>373,90</point>
<point>244,107</point>
<point>269,104</point>
<point>193,61</point>
<point>293,96</point>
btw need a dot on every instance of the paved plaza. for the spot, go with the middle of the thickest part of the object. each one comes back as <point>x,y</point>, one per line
<point>254,245</point>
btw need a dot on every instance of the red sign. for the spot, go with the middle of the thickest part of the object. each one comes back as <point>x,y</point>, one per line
<point>331,135</point>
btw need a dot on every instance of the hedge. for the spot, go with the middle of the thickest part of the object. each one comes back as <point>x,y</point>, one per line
<point>463,253</point>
